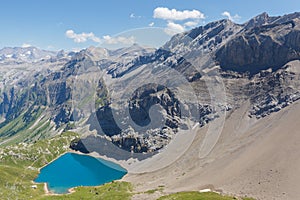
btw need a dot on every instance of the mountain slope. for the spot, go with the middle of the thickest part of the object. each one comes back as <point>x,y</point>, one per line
<point>261,161</point>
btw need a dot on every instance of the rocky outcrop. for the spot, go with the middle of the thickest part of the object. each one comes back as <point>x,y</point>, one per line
<point>274,90</point>
<point>152,94</point>
<point>143,99</point>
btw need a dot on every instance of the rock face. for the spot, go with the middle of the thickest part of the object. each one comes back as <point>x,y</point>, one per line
<point>158,132</point>
<point>274,91</point>
<point>140,104</point>
<point>256,62</point>
<point>263,43</point>
<point>147,96</point>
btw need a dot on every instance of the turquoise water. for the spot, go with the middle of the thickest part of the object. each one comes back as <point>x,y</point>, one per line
<point>71,170</point>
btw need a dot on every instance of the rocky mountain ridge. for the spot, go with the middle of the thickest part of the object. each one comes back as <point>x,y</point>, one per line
<point>255,62</point>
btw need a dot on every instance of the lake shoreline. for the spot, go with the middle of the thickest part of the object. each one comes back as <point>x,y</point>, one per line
<point>122,163</point>
<point>46,189</point>
<point>72,189</point>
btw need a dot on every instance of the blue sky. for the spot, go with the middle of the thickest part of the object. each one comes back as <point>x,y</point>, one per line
<point>74,24</point>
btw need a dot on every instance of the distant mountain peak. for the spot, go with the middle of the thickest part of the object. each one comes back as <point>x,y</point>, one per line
<point>25,54</point>
<point>259,20</point>
<point>265,19</point>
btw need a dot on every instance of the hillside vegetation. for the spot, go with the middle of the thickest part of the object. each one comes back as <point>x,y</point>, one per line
<point>19,165</point>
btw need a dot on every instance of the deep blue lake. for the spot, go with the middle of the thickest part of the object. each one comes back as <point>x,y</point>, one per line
<point>71,170</point>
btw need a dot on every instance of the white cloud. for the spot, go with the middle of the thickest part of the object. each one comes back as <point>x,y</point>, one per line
<point>173,28</point>
<point>191,23</point>
<point>188,18</point>
<point>132,15</point>
<point>25,45</point>
<point>82,37</point>
<point>230,17</point>
<point>151,24</point>
<point>173,14</point>
<point>117,40</point>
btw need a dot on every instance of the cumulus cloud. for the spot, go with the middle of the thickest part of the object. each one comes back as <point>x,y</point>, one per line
<point>173,28</point>
<point>230,17</point>
<point>191,23</point>
<point>117,40</point>
<point>173,14</point>
<point>82,37</point>
<point>25,45</point>
<point>151,24</point>
<point>178,20</point>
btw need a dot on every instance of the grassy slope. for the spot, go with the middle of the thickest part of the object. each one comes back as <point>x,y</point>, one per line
<point>19,165</point>
<point>115,190</point>
<point>23,128</point>
<point>197,196</point>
